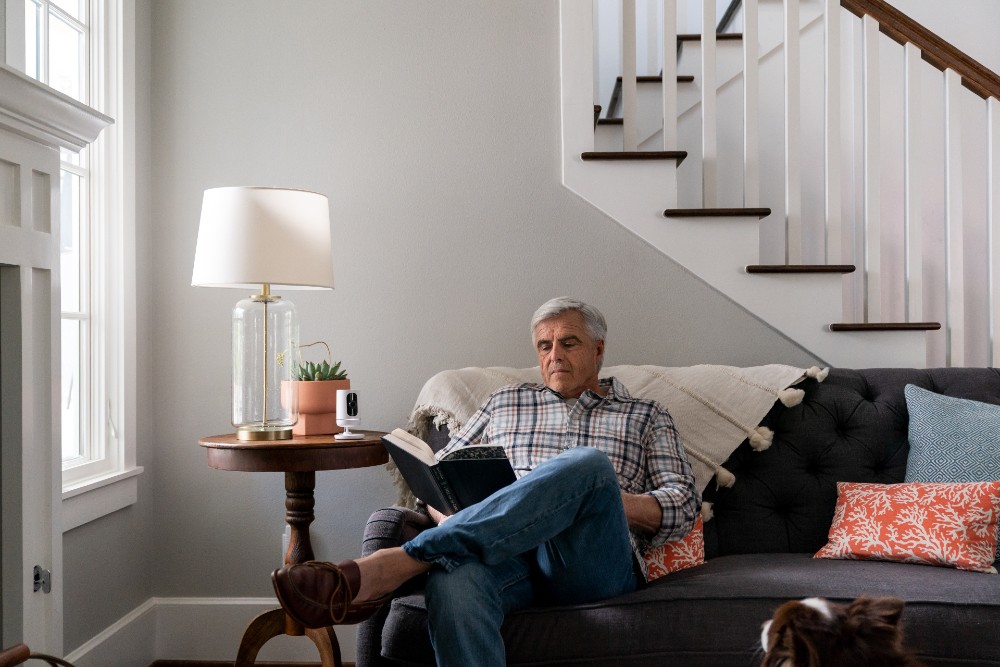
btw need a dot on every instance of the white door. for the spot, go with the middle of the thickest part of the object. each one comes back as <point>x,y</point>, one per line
<point>35,123</point>
<point>29,381</point>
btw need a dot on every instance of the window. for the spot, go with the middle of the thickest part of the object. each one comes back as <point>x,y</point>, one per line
<point>76,47</point>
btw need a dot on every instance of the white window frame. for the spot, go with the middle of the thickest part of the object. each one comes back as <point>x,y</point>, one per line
<point>105,480</point>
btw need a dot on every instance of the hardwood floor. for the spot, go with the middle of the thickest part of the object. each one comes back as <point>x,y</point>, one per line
<point>222,663</point>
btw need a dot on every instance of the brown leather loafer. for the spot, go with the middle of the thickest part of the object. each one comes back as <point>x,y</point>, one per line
<point>318,594</point>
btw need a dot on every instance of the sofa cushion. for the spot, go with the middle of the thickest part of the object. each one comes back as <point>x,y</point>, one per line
<point>852,427</point>
<point>683,618</point>
<point>932,523</point>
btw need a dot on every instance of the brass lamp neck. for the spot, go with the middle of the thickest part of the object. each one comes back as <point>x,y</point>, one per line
<point>265,294</point>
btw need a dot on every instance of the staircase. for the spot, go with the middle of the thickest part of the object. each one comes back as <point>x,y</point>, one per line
<point>809,202</point>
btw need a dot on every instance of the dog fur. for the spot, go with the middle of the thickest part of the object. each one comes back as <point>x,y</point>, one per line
<point>818,633</point>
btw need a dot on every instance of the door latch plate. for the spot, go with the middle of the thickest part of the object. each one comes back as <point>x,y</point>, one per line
<point>42,579</point>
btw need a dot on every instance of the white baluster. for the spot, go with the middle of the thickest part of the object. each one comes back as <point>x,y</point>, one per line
<point>913,212</point>
<point>652,23</point>
<point>834,219</point>
<point>993,221</point>
<point>709,90</point>
<point>954,224</point>
<point>596,58</point>
<point>630,132</point>
<point>751,106</point>
<point>872,200</point>
<point>793,131</point>
<point>669,75</point>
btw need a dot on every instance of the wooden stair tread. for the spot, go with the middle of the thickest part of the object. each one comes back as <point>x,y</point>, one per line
<point>801,268</point>
<point>885,326</point>
<point>716,212</point>
<point>634,155</point>
<point>657,78</point>
<point>722,37</point>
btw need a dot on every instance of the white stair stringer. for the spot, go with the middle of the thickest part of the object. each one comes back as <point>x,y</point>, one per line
<point>801,307</point>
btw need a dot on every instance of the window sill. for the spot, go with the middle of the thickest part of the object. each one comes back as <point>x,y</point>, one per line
<point>94,498</point>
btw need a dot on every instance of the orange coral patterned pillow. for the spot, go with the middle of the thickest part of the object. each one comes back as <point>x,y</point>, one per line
<point>953,525</point>
<point>679,555</point>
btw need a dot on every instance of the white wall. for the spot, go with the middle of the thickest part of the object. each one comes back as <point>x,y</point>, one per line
<point>434,130</point>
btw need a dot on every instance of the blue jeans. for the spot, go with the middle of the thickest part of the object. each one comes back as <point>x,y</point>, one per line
<point>558,535</point>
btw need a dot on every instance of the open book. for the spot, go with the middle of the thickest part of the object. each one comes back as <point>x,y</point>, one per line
<point>462,478</point>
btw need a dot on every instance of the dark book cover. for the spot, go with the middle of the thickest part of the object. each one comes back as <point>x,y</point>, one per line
<point>475,478</point>
<point>464,477</point>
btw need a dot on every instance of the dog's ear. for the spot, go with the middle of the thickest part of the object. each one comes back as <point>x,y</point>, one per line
<point>876,621</point>
<point>805,652</point>
<point>796,635</point>
<point>867,611</point>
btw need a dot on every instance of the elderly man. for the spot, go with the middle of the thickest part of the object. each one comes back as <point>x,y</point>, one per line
<point>601,475</point>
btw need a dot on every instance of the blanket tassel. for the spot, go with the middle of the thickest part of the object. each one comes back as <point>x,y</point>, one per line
<point>724,477</point>
<point>760,438</point>
<point>818,374</point>
<point>791,397</point>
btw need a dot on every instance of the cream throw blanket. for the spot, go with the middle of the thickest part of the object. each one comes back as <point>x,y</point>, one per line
<point>714,408</point>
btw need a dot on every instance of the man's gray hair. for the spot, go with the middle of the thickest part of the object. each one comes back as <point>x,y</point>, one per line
<point>593,319</point>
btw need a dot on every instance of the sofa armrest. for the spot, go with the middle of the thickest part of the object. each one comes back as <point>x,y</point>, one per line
<point>389,527</point>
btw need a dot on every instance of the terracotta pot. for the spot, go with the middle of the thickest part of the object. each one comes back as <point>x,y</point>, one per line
<point>317,406</point>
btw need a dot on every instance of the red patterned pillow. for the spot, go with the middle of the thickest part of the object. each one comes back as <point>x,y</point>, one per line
<point>679,555</point>
<point>954,525</point>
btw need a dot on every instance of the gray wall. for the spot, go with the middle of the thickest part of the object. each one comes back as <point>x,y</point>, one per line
<point>434,130</point>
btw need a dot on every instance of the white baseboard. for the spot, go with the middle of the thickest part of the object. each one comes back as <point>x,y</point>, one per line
<point>194,629</point>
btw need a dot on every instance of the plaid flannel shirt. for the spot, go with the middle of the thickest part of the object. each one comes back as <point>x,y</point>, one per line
<point>534,423</point>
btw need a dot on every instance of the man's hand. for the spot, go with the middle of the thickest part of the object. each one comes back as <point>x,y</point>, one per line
<point>438,517</point>
<point>642,512</point>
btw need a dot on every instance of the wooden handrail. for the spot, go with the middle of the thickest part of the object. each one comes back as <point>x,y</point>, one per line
<point>902,29</point>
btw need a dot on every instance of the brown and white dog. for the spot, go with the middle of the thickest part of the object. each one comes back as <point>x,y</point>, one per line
<point>818,633</point>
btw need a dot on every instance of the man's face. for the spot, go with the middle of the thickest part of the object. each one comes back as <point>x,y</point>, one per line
<point>567,355</point>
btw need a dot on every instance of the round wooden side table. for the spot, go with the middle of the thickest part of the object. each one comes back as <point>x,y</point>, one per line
<point>299,458</point>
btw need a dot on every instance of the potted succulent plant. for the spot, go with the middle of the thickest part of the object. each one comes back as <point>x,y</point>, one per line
<point>317,388</point>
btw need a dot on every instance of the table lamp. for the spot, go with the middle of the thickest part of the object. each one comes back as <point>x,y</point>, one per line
<point>263,238</point>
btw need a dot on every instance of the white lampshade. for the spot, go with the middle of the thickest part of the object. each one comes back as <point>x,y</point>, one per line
<point>258,239</point>
<point>250,236</point>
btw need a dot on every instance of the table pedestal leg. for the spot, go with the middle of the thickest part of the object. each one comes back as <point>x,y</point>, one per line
<point>271,624</point>
<point>299,503</point>
<point>326,643</point>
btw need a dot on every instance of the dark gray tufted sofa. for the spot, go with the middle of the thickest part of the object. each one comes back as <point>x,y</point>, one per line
<point>851,427</point>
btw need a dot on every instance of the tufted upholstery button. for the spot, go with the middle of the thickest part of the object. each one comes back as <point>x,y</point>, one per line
<point>867,392</point>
